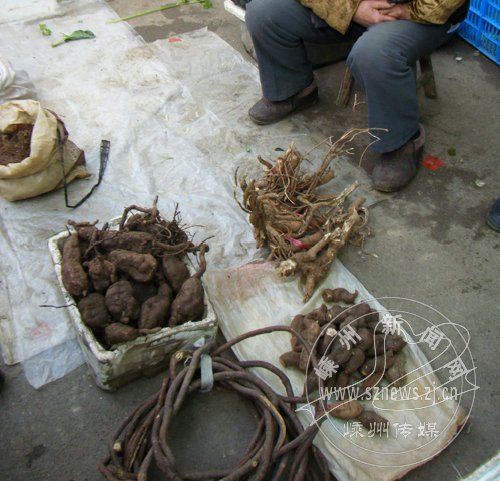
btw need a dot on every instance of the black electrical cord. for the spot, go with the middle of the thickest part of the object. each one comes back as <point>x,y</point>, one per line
<point>104,156</point>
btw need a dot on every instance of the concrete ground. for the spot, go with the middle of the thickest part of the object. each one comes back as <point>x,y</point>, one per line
<point>429,243</point>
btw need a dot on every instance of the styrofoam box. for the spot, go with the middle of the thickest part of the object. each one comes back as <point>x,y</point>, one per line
<point>235,10</point>
<point>142,356</point>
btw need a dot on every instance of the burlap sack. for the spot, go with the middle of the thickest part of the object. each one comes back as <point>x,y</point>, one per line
<point>41,172</point>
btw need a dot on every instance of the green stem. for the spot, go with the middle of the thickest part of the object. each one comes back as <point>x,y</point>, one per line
<point>154,10</point>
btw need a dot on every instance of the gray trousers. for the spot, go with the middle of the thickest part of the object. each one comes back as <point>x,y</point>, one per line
<point>381,61</point>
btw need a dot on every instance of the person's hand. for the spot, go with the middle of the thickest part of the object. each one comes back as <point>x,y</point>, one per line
<point>370,12</point>
<point>398,11</point>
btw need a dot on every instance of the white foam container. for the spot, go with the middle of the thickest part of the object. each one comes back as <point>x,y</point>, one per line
<point>235,10</point>
<point>143,356</point>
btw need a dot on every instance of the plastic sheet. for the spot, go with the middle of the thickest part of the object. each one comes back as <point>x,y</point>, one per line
<point>15,11</point>
<point>14,84</point>
<point>96,99</point>
<point>175,112</point>
<point>253,296</point>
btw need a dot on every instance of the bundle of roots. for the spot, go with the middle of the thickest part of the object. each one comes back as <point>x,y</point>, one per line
<point>281,448</point>
<point>303,228</point>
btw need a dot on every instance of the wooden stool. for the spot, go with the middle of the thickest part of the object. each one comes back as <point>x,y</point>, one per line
<point>425,79</point>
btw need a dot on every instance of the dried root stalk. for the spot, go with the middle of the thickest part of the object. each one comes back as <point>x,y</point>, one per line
<point>303,228</point>
<point>280,450</point>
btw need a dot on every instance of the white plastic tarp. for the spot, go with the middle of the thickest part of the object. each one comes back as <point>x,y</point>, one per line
<point>175,112</point>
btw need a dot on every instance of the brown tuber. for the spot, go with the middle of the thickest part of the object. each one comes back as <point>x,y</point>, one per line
<point>121,303</point>
<point>86,231</point>
<point>338,314</point>
<point>175,271</point>
<point>117,333</point>
<point>378,346</point>
<point>102,273</point>
<point>342,379</point>
<point>340,352</point>
<point>361,311</point>
<point>373,421</point>
<point>298,326</point>
<point>396,374</point>
<point>140,267</point>
<point>142,291</point>
<point>93,311</point>
<point>297,323</point>
<point>339,295</point>
<point>290,359</point>
<point>189,303</point>
<point>395,342</point>
<point>310,334</point>
<point>155,310</point>
<point>320,314</point>
<point>378,363</point>
<point>344,409</point>
<point>366,341</point>
<point>140,242</point>
<point>372,380</point>
<point>355,361</point>
<point>74,278</point>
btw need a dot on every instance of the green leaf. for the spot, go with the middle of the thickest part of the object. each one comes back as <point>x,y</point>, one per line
<point>44,29</point>
<point>452,152</point>
<point>206,4</point>
<point>76,35</point>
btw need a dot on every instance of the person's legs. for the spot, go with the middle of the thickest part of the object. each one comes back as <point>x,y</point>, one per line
<point>381,62</point>
<point>278,29</point>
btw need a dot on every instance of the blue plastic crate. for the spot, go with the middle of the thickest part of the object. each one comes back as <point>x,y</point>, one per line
<point>481,28</point>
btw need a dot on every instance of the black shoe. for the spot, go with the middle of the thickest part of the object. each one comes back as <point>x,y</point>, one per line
<point>395,170</point>
<point>266,112</point>
<point>493,217</point>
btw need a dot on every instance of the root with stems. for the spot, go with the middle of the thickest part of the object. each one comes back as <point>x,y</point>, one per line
<point>302,227</point>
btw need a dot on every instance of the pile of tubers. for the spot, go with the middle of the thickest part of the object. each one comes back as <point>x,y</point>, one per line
<point>303,228</point>
<point>133,280</point>
<point>369,356</point>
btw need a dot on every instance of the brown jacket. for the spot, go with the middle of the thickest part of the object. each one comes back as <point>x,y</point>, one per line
<point>338,13</point>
